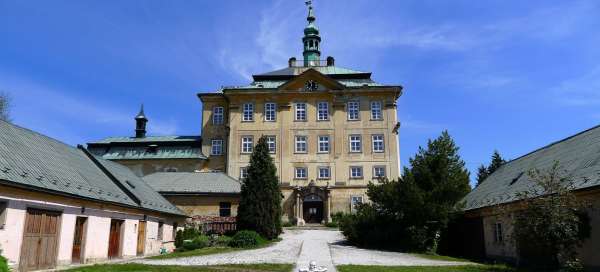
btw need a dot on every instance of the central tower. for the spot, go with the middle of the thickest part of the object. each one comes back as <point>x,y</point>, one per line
<point>311,39</point>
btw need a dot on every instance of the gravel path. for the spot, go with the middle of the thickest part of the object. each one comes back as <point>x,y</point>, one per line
<point>299,247</point>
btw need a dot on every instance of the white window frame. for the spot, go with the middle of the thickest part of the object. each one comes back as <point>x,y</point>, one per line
<point>324,168</point>
<point>270,113</point>
<point>298,170</point>
<point>3,212</point>
<point>298,110</point>
<point>322,113</point>
<point>247,112</point>
<point>354,200</point>
<point>323,143</point>
<point>216,143</point>
<point>376,111</point>
<point>243,172</point>
<point>161,231</point>
<point>352,168</point>
<point>353,108</point>
<point>375,176</point>
<point>351,141</point>
<point>377,145</point>
<point>245,149</point>
<point>298,140</point>
<point>218,115</point>
<point>498,232</point>
<point>272,142</point>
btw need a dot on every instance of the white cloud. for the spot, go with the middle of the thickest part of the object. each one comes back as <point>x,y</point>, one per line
<point>580,91</point>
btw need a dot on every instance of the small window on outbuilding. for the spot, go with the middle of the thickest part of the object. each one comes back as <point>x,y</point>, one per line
<point>498,235</point>
<point>161,227</point>
<point>3,205</point>
<point>225,209</point>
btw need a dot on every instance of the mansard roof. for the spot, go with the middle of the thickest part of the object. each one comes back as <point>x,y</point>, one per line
<point>36,162</point>
<point>578,155</point>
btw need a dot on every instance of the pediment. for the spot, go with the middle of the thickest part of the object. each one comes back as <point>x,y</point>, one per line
<point>309,77</point>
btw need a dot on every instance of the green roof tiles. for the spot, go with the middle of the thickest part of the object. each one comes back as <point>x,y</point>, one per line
<point>578,155</point>
<point>32,160</point>
<point>193,183</point>
<point>148,139</point>
<point>150,147</point>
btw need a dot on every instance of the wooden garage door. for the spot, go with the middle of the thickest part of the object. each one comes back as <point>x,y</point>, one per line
<point>114,239</point>
<point>40,240</point>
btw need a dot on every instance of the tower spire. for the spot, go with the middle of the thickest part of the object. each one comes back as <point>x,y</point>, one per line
<point>140,123</point>
<point>311,39</point>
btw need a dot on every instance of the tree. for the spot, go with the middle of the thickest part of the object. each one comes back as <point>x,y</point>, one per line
<point>409,213</point>
<point>484,172</point>
<point>4,106</point>
<point>551,222</point>
<point>260,204</point>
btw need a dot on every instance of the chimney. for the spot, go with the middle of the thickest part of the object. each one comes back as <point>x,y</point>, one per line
<point>292,62</point>
<point>330,61</point>
<point>140,124</point>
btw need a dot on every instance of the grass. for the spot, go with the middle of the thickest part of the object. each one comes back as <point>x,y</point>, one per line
<point>174,268</point>
<point>439,257</point>
<point>211,250</point>
<point>464,268</point>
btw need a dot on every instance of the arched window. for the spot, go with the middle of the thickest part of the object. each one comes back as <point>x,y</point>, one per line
<point>311,43</point>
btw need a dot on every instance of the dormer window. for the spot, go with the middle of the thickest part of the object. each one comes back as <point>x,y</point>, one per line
<point>152,149</point>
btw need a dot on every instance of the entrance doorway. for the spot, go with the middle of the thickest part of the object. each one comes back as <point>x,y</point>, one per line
<point>40,240</point>
<point>141,239</point>
<point>114,239</point>
<point>313,209</point>
<point>78,238</point>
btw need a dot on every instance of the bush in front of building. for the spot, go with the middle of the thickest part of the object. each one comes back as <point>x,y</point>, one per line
<point>409,214</point>
<point>260,202</point>
<point>246,239</point>
<point>3,264</point>
<point>185,234</point>
<point>198,242</point>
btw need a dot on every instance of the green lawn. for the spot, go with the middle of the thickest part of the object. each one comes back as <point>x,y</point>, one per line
<point>172,268</point>
<point>197,252</point>
<point>439,257</point>
<point>466,268</point>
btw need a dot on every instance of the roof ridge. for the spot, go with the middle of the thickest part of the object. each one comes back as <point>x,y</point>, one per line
<point>552,144</point>
<point>38,134</point>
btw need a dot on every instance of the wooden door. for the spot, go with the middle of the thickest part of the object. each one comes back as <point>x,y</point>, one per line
<point>78,239</point>
<point>40,240</point>
<point>141,239</point>
<point>114,239</point>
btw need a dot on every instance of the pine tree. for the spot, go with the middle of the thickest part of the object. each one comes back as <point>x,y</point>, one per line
<point>484,172</point>
<point>4,106</point>
<point>260,204</point>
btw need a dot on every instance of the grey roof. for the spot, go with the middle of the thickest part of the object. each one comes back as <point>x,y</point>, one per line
<point>578,155</point>
<point>32,160</point>
<point>327,70</point>
<point>193,182</point>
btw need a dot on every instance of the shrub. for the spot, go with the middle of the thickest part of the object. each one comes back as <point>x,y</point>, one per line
<point>3,264</point>
<point>222,240</point>
<point>186,234</point>
<point>287,224</point>
<point>200,241</point>
<point>246,239</point>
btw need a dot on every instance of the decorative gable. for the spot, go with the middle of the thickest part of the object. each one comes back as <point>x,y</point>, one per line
<point>310,81</point>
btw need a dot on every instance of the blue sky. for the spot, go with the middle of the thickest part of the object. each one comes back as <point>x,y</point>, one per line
<point>506,75</point>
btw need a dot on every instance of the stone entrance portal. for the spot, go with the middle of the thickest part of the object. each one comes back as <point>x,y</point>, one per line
<point>312,204</point>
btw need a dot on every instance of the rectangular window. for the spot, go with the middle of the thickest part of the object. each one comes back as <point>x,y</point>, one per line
<point>355,143</point>
<point>161,227</point>
<point>247,144</point>
<point>323,111</point>
<point>272,144</point>
<point>248,112</point>
<point>356,172</point>
<point>224,209</point>
<point>324,172</point>
<point>354,202</point>
<point>323,144</point>
<point>376,110</point>
<point>218,115</point>
<point>3,206</point>
<point>353,110</point>
<point>217,147</point>
<point>243,172</point>
<point>300,173</point>
<point>270,112</point>
<point>301,144</point>
<point>300,112</point>
<point>498,236</point>
<point>377,143</point>
<point>378,171</point>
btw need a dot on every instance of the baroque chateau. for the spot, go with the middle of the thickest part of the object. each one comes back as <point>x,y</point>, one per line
<point>330,130</point>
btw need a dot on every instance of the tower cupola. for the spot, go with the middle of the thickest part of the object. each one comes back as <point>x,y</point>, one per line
<point>311,39</point>
<point>140,123</point>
